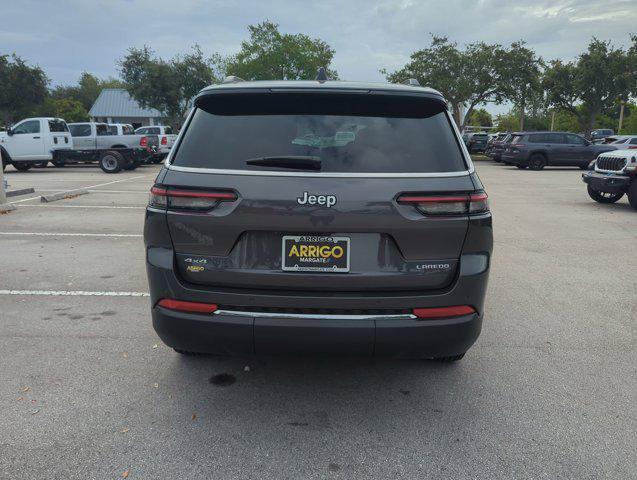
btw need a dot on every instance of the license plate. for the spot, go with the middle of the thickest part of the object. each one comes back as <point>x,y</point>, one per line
<point>309,253</point>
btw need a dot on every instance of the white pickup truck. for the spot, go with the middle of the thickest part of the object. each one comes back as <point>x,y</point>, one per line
<point>165,139</point>
<point>34,142</point>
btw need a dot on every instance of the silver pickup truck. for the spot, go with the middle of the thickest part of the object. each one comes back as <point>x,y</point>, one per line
<point>113,148</point>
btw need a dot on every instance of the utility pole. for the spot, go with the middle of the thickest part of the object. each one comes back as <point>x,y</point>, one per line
<point>621,115</point>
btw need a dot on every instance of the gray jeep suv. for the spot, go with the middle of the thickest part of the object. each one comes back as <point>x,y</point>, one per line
<point>318,217</point>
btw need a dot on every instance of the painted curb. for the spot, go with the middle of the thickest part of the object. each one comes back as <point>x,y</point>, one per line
<point>62,195</point>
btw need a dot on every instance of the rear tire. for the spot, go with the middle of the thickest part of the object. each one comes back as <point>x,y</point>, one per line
<point>605,197</point>
<point>21,166</point>
<point>632,194</point>
<point>537,161</point>
<point>451,359</point>
<point>58,163</point>
<point>132,165</point>
<point>40,165</point>
<point>111,162</point>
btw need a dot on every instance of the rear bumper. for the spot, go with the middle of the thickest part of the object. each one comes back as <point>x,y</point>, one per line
<point>240,328</point>
<point>231,334</point>
<point>514,159</point>
<point>607,182</point>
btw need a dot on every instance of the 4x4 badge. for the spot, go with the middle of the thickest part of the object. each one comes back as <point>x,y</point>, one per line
<point>325,200</point>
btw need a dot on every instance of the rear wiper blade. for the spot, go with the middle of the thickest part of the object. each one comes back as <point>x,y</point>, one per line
<point>300,162</point>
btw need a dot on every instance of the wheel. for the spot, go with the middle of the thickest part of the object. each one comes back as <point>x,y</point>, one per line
<point>521,167</point>
<point>604,197</point>
<point>632,194</point>
<point>40,164</point>
<point>22,167</point>
<point>111,162</point>
<point>453,358</point>
<point>537,161</point>
<point>157,160</point>
<point>58,163</point>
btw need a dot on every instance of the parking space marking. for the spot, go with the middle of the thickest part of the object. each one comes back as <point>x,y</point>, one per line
<point>83,206</point>
<point>56,234</point>
<point>73,293</point>
<point>88,187</point>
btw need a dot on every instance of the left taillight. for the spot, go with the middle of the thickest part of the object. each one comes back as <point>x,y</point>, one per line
<point>177,199</point>
<point>164,140</point>
<point>461,204</point>
<point>143,142</point>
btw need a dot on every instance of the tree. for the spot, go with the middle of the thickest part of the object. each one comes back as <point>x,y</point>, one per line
<point>592,84</point>
<point>272,55</point>
<point>167,85</point>
<point>22,87</point>
<point>468,77</point>
<point>87,89</point>
<point>522,78</point>
<point>479,118</point>
<point>69,109</point>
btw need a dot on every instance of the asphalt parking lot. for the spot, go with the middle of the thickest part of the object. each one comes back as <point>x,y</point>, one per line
<point>87,390</point>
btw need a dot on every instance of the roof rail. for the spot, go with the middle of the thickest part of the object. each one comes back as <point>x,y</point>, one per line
<point>232,79</point>
<point>412,82</point>
<point>321,75</point>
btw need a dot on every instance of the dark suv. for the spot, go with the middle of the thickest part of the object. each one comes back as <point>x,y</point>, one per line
<point>537,150</point>
<point>318,217</point>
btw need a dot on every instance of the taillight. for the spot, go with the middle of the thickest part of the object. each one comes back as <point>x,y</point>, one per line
<point>143,142</point>
<point>443,312</point>
<point>164,140</point>
<point>187,307</point>
<point>632,147</point>
<point>461,204</point>
<point>188,199</point>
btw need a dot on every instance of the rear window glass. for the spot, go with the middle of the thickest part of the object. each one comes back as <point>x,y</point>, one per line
<point>356,144</point>
<point>58,126</point>
<point>480,136</point>
<point>81,130</point>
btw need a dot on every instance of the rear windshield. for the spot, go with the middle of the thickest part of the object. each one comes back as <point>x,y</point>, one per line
<point>58,126</point>
<point>356,144</point>
<point>479,135</point>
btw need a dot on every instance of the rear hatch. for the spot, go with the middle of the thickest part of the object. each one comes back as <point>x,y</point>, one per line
<point>338,191</point>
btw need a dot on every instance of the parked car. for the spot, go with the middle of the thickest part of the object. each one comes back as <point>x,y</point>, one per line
<point>318,217</point>
<point>615,174</point>
<point>166,139</point>
<point>477,142</point>
<point>34,141</point>
<point>495,148</point>
<point>628,142</point>
<point>537,150</point>
<point>598,136</point>
<point>113,152</point>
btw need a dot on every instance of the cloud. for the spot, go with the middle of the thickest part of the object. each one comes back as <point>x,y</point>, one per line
<point>68,37</point>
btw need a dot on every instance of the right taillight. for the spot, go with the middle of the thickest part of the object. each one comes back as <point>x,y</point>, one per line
<point>177,199</point>
<point>461,204</point>
<point>164,140</point>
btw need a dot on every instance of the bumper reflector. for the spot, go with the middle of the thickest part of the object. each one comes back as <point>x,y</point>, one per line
<point>443,312</point>
<point>188,307</point>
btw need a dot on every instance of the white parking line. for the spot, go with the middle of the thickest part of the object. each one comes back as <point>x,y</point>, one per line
<point>56,234</point>
<point>73,293</point>
<point>83,206</point>
<point>85,188</point>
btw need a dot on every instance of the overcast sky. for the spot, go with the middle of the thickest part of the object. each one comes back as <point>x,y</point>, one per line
<point>68,37</point>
